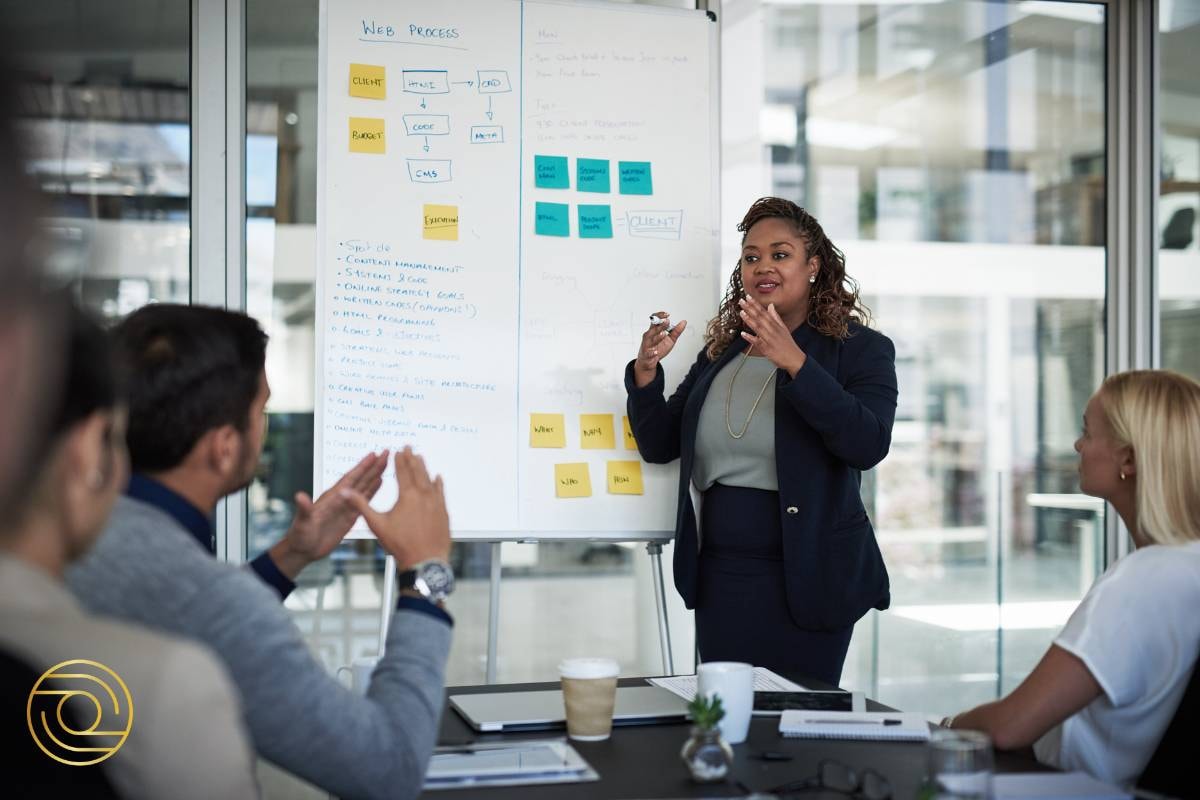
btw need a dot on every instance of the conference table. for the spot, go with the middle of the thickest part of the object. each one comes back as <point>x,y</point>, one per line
<point>642,761</point>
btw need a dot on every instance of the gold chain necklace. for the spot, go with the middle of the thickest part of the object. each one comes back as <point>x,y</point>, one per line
<point>753,408</point>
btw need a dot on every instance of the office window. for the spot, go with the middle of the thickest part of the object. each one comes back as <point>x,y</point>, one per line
<point>956,152</point>
<point>105,104</point>
<point>1179,193</point>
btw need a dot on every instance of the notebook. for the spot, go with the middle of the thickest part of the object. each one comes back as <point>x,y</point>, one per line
<point>903,726</point>
<point>541,710</point>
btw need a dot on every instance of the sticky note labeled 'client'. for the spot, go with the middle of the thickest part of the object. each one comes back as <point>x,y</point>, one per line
<point>572,480</point>
<point>552,219</point>
<point>624,477</point>
<point>369,81</point>
<point>596,432</point>
<point>366,135</point>
<point>547,430</point>
<point>440,222</point>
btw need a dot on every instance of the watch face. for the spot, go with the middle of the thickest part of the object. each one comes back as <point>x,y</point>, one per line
<point>437,577</point>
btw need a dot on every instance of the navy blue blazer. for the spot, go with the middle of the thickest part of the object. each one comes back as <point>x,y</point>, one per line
<point>833,420</point>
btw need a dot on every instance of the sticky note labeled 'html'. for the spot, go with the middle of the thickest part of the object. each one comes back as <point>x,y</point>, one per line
<point>440,222</point>
<point>552,219</point>
<point>630,442</point>
<point>624,477</point>
<point>547,430</point>
<point>366,135</point>
<point>595,222</point>
<point>591,175</point>
<point>572,480</point>
<point>596,432</point>
<point>550,172</point>
<point>635,177</point>
<point>369,81</point>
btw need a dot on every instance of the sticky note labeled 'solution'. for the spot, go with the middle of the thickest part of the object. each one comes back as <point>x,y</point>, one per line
<point>596,432</point>
<point>572,480</point>
<point>369,81</point>
<point>440,222</point>
<point>366,135</point>
<point>591,175</point>
<point>630,442</point>
<point>595,222</point>
<point>547,430</point>
<point>624,477</point>
<point>634,177</point>
<point>552,219</point>
<point>550,172</point>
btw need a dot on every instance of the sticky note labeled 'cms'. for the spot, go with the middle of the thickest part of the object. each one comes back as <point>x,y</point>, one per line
<point>366,135</point>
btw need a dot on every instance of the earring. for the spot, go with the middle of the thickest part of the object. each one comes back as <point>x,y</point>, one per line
<point>1122,474</point>
<point>812,278</point>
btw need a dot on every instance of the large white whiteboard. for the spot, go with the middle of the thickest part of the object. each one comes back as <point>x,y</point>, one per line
<point>451,345</point>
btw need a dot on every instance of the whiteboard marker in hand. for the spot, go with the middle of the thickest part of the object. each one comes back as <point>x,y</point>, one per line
<point>655,319</point>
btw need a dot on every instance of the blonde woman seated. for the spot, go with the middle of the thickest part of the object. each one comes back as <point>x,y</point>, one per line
<point>1103,695</point>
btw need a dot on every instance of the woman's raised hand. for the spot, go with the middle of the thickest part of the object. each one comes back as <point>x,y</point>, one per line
<point>657,342</point>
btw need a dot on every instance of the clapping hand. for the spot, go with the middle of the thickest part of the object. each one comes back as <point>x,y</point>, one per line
<point>658,340</point>
<point>771,337</point>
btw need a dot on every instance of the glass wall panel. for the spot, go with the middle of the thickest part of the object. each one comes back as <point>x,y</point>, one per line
<point>105,103</point>
<point>956,152</point>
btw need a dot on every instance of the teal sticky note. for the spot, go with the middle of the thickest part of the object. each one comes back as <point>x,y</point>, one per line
<point>550,172</point>
<point>591,175</point>
<point>635,177</point>
<point>595,222</point>
<point>552,219</point>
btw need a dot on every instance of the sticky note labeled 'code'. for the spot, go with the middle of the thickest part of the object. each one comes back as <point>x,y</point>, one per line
<point>591,175</point>
<point>572,480</point>
<point>552,219</point>
<point>596,432</point>
<point>366,135</point>
<point>630,442</point>
<point>624,477</point>
<point>634,177</point>
<point>595,222</point>
<point>547,430</point>
<point>550,172</point>
<point>440,222</point>
<point>369,81</point>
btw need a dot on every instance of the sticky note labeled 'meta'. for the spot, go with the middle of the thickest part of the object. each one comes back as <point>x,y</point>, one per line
<point>630,442</point>
<point>550,172</point>
<point>591,175</point>
<point>596,432</point>
<point>440,222</point>
<point>552,219</point>
<point>369,81</point>
<point>572,480</point>
<point>624,477</point>
<point>634,177</point>
<point>595,222</point>
<point>366,135</point>
<point>547,430</point>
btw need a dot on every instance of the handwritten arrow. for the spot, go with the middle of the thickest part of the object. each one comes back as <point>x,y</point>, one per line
<point>423,102</point>
<point>468,83</point>
<point>489,111</point>
<point>426,144</point>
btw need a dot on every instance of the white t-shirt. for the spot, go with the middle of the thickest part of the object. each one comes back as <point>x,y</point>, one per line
<point>1138,633</point>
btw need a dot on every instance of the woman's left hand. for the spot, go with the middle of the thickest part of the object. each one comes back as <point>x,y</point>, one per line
<point>771,337</point>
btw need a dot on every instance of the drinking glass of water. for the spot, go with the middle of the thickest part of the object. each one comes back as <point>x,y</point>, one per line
<point>960,764</point>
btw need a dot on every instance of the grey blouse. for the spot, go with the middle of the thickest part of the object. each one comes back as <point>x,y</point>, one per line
<point>750,461</point>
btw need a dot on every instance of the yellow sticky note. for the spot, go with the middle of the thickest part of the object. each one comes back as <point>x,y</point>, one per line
<point>366,135</point>
<point>624,477</point>
<point>630,442</point>
<point>547,430</point>
<point>572,480</point>
<point>369,81</point>
<point>596,432</point>
<point>440,222</point>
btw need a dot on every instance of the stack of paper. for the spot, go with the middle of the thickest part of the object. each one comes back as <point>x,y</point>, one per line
<point>764,681</point>
<point>507,764</point>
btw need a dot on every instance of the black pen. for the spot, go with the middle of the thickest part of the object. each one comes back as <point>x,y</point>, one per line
<point>857,721</point>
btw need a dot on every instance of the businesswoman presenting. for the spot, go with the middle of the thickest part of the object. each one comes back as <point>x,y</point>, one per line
<point>790,399</point>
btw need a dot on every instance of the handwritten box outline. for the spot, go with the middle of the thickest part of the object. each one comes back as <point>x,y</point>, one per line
<point>480,79</point>
<point>475,128</point>
<point>445,78</point>
<point>415,119</point>
<point>415,166</point>
<point>646,231</point>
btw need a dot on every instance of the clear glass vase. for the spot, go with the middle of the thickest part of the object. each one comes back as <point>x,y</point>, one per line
<point>707,755</point>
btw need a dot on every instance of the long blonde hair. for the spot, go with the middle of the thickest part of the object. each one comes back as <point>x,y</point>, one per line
<point>1156,412</point>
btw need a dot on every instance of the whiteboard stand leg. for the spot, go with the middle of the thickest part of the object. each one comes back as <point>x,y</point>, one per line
<point>493,614</point>
<point>660,601</point>
<point>389,600</point>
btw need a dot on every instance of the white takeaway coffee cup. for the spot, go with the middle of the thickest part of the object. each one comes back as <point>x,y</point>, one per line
<point>589,687</point>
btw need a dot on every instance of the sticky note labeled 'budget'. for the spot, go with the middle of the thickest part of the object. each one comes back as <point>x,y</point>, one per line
<point>440,222</point>
<point>550,172</point>
<point>591,175</point>
<point>595,222</point>
<point>369,81</point>
<point>630,442</point>
<point>572,480</point>
<point>635,177</point>
<point>366,135</point>
<point>547,430</point>
<point>552,219</point>
<point>596,432</point>
<point>624,477</point>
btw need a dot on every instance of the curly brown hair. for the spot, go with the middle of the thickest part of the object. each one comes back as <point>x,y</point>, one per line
<point>832,301</point>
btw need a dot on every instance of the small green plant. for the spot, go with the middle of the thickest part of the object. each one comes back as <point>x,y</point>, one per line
<point>706,713</point>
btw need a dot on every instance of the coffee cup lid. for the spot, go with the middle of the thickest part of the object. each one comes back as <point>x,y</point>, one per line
<point>588,668</point>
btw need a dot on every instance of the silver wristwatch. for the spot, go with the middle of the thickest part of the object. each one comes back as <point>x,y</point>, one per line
<point>433,579</point>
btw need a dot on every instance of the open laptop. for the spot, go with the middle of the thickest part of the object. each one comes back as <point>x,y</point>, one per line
<point>541,710</point>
